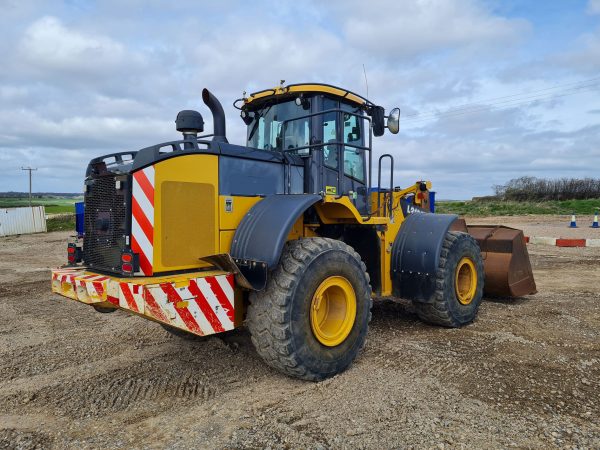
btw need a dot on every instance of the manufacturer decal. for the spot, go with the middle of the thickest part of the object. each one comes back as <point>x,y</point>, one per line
<point>409,208</point>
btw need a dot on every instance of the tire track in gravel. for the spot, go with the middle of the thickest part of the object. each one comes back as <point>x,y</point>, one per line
<point>49,356</point>
<point>167,374</point>
<point>102,367</point>
<point>40,354</point>
<point>117,391</point>
<point>11,438</point>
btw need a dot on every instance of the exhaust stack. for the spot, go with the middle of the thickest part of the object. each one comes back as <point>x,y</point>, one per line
<point>218,115</point>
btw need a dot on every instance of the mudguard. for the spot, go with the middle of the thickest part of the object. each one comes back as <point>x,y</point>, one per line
<point>259,239</point>
<point>416,255</point>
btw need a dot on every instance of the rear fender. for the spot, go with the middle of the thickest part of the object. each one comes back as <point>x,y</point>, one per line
<point>259,239</point>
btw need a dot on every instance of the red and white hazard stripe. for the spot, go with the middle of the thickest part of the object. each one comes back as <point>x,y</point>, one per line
<point>203,306</point>
<point>142,220</point>
<point>65,276</point>
<point>94,286</point>
<point>64,282</point>
<point>562,242</point>
<point>131,297</point>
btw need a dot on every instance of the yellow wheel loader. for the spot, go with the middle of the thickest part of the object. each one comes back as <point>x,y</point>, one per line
<point>288,234</point>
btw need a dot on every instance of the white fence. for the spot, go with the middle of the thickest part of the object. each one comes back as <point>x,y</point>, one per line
<point>22,220</point>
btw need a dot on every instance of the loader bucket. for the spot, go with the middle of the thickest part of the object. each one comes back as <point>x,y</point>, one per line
<point>506,261</point>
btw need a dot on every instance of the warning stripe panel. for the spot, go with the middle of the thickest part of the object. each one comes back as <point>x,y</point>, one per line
<point>205,307</point>
<point>145,180</point>
<point>142,218</point>
<point>200,305</point>
<point>183,312</point>
<point>145,263</point>
<point>220,295</point>
<point>214,304</point>
<point>99,288</point>
<point>153,308</point>
<point>128,296</point>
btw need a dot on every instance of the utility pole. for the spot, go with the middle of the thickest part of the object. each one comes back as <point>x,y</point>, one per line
<point>30,170</point>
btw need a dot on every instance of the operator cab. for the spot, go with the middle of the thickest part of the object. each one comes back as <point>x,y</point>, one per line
<point>327,126</point>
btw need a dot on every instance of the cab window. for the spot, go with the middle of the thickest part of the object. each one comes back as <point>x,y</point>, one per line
<point>274,127</point>
<point>330,149</point>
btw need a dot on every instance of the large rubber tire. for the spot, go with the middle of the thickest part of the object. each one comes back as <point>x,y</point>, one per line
<point>446,309</point>
<point>279,316</point>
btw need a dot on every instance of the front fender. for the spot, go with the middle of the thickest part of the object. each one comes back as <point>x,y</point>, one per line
<point>416,255</point>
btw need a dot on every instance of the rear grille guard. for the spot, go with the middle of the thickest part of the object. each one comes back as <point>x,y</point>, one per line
<point>107,222</point>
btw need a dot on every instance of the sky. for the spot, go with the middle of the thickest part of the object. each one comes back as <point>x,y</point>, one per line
<point>489,90</point>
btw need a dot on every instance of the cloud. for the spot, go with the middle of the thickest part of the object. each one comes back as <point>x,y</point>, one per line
<point>47,45</point>
<point>417,27</point>
<point>586,55</point>
<point>593,7</point>
<point>80,79</point>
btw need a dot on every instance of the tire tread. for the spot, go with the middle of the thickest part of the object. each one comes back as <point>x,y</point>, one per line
<point>438,312</point>
<point>269,310</point>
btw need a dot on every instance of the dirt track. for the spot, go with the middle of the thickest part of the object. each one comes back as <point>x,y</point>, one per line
<point>525,374</point>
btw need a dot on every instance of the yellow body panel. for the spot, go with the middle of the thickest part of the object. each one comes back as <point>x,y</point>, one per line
<point>186,211</point>
<point>342,210</point>
<point>232,210</point>
<point>225,239</point>
<point>297,230</point>
<point>323,88</point>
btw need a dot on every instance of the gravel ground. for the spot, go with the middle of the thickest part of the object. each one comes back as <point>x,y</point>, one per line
<point>525,374</point>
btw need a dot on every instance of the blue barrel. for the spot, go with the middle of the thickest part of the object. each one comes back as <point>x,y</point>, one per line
<point>79,209</point>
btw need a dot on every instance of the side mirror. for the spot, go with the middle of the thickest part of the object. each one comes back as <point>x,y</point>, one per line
<point>393,121</point>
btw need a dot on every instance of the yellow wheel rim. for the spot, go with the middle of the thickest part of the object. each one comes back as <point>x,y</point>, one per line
<point>333,311</point>
<point>465,282</point>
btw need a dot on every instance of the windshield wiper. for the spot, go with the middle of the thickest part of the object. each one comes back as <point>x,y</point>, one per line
<point>258,115</point>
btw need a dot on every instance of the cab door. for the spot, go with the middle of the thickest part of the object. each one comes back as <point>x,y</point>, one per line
<point>340,159</point>
<point>353,170</point>
<point>329,124</point>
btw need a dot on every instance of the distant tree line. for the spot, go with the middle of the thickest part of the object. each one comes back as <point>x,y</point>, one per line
<point>532,188</point>
<point>13,194</point>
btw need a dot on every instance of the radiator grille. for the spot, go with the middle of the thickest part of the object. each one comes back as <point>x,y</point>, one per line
<point>105,223</point>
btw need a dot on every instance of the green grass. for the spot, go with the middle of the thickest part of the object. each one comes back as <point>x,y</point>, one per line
<point>53,205</point>
<point>512,208</point>
<point>61,223</point>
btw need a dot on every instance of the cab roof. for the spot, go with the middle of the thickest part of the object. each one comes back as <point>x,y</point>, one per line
<point>258,97</point>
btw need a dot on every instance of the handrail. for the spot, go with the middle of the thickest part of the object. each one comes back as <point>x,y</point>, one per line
<point>385,155</point>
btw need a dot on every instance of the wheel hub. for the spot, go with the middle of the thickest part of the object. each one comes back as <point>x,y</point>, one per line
<point>333,311</point>
<point>465,281</point>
